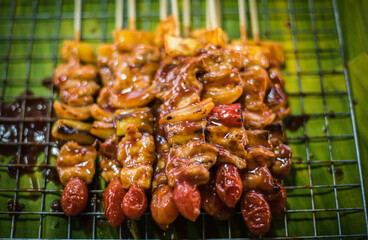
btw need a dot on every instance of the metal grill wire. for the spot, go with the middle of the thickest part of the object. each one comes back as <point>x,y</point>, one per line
<point>16,222</point>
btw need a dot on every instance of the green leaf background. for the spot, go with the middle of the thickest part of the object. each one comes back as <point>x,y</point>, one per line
<point>305,37</point>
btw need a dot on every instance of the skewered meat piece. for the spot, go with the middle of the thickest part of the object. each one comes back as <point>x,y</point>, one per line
<point>142,118</point>
<point>256,84</point>
<point>136,154</point>
<point>76,167</point>
<point>77,50</point>
<point>221,81</point>
<point>114,193</point>
<point>272,51</point>
<point>109,164</point>
<point>127,69</point>
<point>73,130</point>
<point>128,76</point>
<point>79,92</point>
<point>73,113</point>
<point>225,130</point>
<point>281,167</point>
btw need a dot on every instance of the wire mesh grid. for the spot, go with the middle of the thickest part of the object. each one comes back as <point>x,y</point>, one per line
<point>325,188</point>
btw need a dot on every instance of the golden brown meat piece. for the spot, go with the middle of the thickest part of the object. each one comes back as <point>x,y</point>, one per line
<point>160,177</point>
<point>76,161</point>
<point>73,113</point>
<point>277,131</point>
<point>74,70</point>
<point>182,132</point>
<point>128,75</point>
<point>259,156</point>
<point>190,162</point>
<point>142,118</point>
<point>259,138</point>
<point>137,155</point>
<point>177,84</point>
<point>221,81</point>
<point>261,180</point>
<point>77,50</point>
<point>109,164</point>
<point>79,93</point>
<point>100,114</point>
<point>277,101</point>
<point>71,130</point>
<point>225,131</point>
<point>281,167</point>
<point>256,85</point>
<point>187,167</point>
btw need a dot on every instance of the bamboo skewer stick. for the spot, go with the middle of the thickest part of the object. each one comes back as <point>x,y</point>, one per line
<point>77,19</point>
<point>132,16</point>
<point>186,17</point>
<point>208,13</point>
<point>175,12</point>
<point>213,19</point>
<point>119,15</point>
<point>163,9</point>
<point>218,13</point>
<point>254,20</point>
<point>242,20</point>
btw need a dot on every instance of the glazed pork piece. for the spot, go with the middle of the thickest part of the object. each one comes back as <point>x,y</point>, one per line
<point>76,167</point>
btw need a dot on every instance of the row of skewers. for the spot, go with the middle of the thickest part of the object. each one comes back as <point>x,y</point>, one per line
<point>194,121</point>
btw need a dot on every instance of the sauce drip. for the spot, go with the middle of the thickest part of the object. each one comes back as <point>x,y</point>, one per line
<point>14,206</point>
<point>33,132</point>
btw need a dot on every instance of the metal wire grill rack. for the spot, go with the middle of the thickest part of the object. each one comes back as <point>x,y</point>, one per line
<point>321,203</point>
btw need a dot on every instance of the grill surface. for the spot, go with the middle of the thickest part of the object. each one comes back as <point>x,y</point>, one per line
<point>325,188</point>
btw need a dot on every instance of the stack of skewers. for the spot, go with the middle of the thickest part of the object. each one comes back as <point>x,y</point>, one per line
<point>195,121</point>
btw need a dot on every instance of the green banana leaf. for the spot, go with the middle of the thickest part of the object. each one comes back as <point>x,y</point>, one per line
<point>318,161</point>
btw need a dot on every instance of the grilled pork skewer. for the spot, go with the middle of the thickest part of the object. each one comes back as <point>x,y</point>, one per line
<point>225,130</point>
<point>135,55</point>
<point>182,122</point>
<point>76,167</point>
<point>77,84</point>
